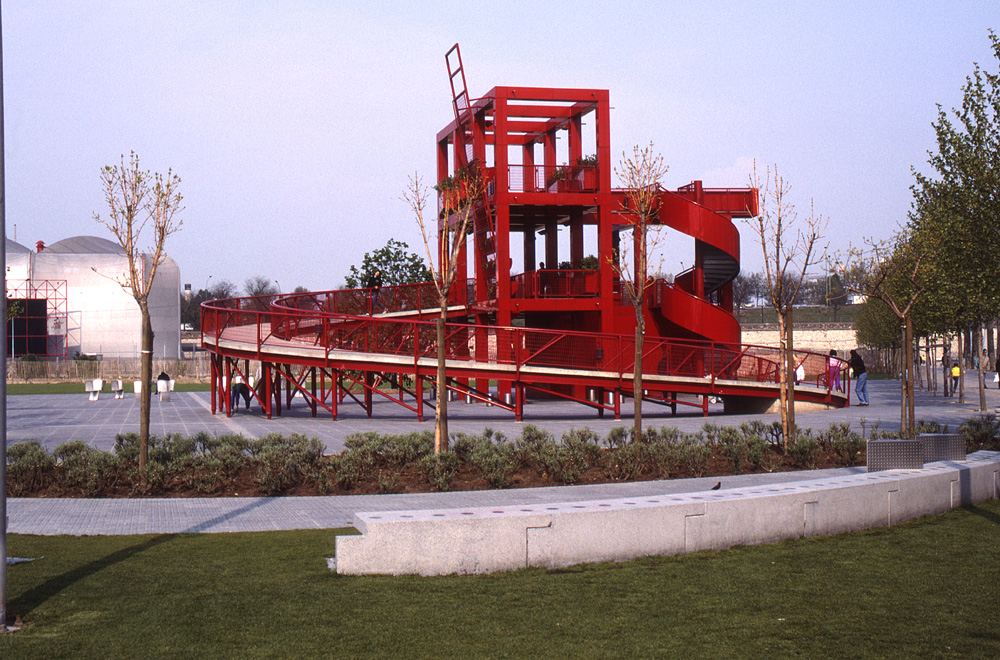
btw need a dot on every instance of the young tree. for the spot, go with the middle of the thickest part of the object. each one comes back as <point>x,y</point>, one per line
<point>959,209</point>
<point>790,249</point>
<point>640,174</point>
<point>139,200</point>
<point>398,265</point>
<point>454,224</point>
<point>891,272</point>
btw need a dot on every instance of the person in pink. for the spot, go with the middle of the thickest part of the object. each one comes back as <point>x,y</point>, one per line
<point>833,370</point>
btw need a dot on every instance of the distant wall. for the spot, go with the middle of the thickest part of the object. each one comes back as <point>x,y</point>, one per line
<point>820,338</point>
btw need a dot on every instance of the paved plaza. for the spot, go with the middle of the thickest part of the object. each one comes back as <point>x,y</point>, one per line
<point>54,419</point>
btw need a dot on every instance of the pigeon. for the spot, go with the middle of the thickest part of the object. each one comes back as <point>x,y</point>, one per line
<point>716,486</point>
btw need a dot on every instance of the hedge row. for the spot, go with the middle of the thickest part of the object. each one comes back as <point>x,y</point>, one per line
<point>276,464</point>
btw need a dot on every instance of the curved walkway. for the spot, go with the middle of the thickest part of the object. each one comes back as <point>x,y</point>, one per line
<point>58,418</point>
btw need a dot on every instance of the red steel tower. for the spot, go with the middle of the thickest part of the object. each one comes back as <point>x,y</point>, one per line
<point>544,174</point>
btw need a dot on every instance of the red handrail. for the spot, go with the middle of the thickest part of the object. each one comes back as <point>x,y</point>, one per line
<point>335,320</point>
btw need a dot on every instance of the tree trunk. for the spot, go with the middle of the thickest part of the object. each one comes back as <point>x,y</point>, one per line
<point>785,379</point>
<point>790,369</point>
<point>441,411</point>
<point>637,383</point>
<point>961,366</point>
<point>146,376</point>
<point>928,371</point>
<point>977,341</point>
<point>908,356</point>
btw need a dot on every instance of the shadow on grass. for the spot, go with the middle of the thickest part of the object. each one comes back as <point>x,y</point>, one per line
<point>28,601</point>
<point>983,513</point>
<point>32,598</point>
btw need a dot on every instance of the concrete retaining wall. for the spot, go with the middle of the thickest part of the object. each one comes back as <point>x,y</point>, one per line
<point>489,539</point>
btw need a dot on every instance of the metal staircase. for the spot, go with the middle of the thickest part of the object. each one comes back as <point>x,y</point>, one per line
<point>484,225</point>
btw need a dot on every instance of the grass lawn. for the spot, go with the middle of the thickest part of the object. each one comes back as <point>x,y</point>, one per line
<point>925,589</point>
<point>74,387</point>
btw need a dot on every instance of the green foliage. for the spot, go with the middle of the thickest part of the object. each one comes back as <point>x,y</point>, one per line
<point>14,309</point>
<point>957,212</point>
<point>981,432</point>
<point>86,468</point>
<point>491,453</point>
<point>875,325</point>
<point>388,450</point>
<point>282,461</point>
<point>564,461</point>
<point>28,465</point>
<point>695,454</point>
<point>850,446</point>
<point>805,450</point>
<point>441,469</point>
<point>397,263</point>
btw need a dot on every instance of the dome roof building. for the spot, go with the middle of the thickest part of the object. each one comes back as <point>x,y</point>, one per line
<point>98,316</point>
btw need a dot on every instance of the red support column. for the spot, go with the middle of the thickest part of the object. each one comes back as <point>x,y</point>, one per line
<point>418,388</point>
<point>312,375</point>
<point>265,373</point>
<point>334,391</point>
<point>213,379</point>
<point>277,391</point>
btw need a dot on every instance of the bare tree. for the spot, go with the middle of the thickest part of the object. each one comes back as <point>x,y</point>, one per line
<point>454,223</point>
<point>138,200</point>
<point>789,248</point>
<point>640,174</point>
<point>262,292</point>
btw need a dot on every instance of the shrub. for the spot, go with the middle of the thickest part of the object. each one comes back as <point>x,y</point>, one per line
<point>440,469</point>
<point>805,451</point>
<point>347,469</point>
<point>733,447</point>
<point>617,437</point>
<point>761,454</point>
<point>388,450</point>
<point>29,466</point>
<point>849,445</point>
<point>491,454</point>
<point>664,454</point>
<point>695,454</point>
<point>625,462</point>
<point>91,470</point>
<point>283,461</point>
<point>980,432</point>
<point>583,446</point>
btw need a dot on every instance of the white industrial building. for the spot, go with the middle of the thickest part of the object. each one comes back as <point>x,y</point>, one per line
<point>86,311</point>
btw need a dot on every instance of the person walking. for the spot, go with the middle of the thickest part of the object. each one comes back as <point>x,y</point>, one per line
<point>857,365</point>
<point>956,373</point>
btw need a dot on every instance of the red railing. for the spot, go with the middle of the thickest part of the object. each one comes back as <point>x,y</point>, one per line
<point>552,178</point>
<point>321,320</point>
<point>556,283</point>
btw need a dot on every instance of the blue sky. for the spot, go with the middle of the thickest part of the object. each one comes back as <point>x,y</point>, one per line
<point>294,125</point>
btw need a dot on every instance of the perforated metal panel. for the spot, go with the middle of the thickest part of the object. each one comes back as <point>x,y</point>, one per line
<point>943,447</point>
<point>895,454</point>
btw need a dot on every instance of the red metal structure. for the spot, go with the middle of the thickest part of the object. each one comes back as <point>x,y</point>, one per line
<point>561,330</point>
<point>41,326</point>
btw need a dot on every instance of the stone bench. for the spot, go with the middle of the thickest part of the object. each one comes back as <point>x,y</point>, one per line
<point>550,535</point>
